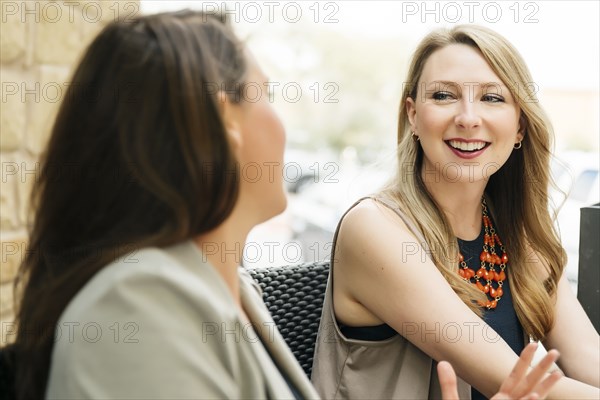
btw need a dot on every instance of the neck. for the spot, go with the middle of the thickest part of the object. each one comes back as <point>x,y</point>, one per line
<point>223,247</point>
<point>461,204</point>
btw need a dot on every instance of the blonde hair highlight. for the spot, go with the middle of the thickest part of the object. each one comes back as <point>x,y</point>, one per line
<point>517,194</point>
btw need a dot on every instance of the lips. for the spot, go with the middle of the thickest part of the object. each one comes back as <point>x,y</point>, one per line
<point>466,146</point>
<point>467,149</point>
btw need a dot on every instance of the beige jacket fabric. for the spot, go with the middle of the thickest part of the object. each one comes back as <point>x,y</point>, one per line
<point>346,368</point>
<point>161,324</point>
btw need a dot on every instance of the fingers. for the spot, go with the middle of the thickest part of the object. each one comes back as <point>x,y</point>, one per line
<point>520,369</point>
<point>540,370</point>
<point>533,385</point>
<point>447,381</point>
<point>543,388</point>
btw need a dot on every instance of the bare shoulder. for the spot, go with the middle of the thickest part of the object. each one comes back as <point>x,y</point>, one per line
<point>372,220</point>
<point>368,246</point>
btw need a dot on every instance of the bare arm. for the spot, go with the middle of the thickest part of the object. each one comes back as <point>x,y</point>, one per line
<point>575,337</point>
<point>380,278</point>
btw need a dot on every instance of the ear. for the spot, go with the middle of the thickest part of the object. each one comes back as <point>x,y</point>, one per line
<point>522,127</point>
<point>230,115</point>
<point>520,136</point>
<point>411,112</point>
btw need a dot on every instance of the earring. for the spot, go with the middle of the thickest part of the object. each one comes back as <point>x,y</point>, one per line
<point>517,146</point>
<point>416,138</point>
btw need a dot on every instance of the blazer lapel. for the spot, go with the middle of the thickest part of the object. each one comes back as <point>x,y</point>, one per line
<point>265,327</point>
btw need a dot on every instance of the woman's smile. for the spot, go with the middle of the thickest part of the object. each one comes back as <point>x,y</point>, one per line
<point>467,149</point>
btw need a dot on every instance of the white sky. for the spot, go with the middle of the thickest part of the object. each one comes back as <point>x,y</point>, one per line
<point>558,39</point>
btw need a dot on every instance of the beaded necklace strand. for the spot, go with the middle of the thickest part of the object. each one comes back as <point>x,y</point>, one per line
<point>491,271</point>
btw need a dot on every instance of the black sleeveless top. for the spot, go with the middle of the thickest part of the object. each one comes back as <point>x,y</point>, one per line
<point>503,319</point>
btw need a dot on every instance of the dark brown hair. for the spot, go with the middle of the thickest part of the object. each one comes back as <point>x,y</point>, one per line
<point>138,156</point>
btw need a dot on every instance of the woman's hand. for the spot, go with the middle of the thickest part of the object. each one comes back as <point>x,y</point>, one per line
<point>518,385</point>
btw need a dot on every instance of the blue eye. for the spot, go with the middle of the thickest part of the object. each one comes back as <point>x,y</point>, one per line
<point>442,96</point>
<point>493,98</point>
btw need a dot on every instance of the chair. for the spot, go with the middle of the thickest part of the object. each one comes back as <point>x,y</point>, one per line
<point>294,296</point>
<point>7,369</point>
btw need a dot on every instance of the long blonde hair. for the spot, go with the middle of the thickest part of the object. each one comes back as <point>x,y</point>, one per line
<point>517,193</point>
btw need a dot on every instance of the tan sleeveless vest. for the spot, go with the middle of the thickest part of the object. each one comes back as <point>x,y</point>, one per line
<point>356,369</point>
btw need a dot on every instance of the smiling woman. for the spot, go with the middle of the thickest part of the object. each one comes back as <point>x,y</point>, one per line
<point>457,258</point>
<point>474,115</point>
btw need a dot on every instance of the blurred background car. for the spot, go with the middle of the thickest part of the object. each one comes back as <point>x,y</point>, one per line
<point>576,174</point>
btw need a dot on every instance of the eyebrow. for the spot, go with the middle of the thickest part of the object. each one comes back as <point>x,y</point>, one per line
<point>481,84</point>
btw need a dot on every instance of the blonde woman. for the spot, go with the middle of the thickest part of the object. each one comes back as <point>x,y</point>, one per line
<point>457,259</point>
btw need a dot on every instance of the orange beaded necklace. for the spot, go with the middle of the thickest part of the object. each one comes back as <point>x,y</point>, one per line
<point>489,262</point>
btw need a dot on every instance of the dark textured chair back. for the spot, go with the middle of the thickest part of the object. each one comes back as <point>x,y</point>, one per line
<point>7,373</point>
<point>294,296</point>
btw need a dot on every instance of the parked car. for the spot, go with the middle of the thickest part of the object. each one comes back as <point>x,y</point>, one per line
<point>317,210</point>
<point>577,177</point>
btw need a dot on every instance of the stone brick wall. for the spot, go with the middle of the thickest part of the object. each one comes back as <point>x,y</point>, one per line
<point>40,42</point>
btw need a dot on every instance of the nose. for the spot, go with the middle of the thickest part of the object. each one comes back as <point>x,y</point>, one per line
<point>467,116</point>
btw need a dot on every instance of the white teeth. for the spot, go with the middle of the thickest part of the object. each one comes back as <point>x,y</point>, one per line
<point>467,146</point>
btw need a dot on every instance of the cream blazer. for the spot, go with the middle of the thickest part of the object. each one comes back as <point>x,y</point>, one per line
<point>161,324</point>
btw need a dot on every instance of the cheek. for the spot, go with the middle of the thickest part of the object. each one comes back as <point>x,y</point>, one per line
<point>277,131</point>
<point>507,116</point>
<point>430,119</point>
<point>264,135</point>
<point>507,127</point>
